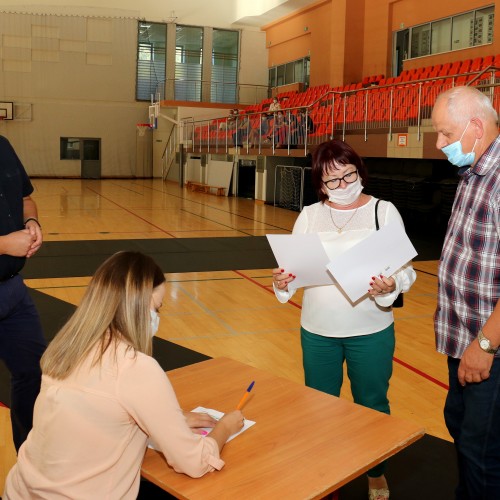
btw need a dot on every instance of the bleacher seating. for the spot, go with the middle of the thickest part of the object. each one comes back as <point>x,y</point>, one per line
<point>374,102</point>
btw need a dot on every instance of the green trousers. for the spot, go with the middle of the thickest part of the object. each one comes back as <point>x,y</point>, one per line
<point>369,368</point>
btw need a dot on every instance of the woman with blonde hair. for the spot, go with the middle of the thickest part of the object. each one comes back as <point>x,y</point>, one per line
<point>103,396</point>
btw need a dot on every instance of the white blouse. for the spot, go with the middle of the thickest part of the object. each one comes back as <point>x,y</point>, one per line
<point>326,309</point>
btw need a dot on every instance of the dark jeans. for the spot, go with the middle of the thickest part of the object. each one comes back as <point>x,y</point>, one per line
<point>472,415</point>
<point>21,346</point>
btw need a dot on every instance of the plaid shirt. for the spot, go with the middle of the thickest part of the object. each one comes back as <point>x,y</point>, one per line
<point>469,271</point>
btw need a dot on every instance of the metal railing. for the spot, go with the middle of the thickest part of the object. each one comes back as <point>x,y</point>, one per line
<point>369,110</point>
<point>222,92</point>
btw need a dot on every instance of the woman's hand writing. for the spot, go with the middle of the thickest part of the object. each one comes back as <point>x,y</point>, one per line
<point>281,279</point>
<point>228,425</point>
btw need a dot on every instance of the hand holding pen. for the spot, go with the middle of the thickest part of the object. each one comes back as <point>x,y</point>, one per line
<point>234,419</point>
<point>231,423</point>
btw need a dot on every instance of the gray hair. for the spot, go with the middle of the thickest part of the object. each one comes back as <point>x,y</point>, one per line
<point>465,103</point>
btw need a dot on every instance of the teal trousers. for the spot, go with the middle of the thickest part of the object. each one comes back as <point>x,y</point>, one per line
<point>369,368</point>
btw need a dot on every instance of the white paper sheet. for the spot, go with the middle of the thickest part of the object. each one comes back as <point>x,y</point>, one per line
<point>384,252</point>
<point>302,255</point>
<point>218,415</point>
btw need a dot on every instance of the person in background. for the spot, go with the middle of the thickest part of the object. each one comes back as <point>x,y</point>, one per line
<point>305,125</point>
<point>280,127</point>
<point>103,397</point>
<point>240,136</point>
<point>334,329</point>
<point>259,131</point>
<point>232,119</point>
<point>274,106</point>
<point>293,126</point>
<point>467,318</point>
<point>21,338</point>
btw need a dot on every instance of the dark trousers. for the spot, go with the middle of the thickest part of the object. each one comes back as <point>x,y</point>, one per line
<point>472,415</point>
<point>21,346</point>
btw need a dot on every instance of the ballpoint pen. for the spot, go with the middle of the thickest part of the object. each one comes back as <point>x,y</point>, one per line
<point>245,396</point>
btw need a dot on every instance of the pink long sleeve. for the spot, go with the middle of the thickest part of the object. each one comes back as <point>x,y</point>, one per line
<point>90,432</point>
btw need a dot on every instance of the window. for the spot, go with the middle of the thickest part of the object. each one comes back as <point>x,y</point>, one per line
<point>280,75</point>
<point>187,83</point>
<point>150,59</point>
<point>440,36</point>
<point>272,77</point>
<point>291,72</point>
<point>421,41</point>
<point>224,66</point>
<point>464,30</point>
<point>460,31</point>
<point>188,63</point>
<point>70,148</point>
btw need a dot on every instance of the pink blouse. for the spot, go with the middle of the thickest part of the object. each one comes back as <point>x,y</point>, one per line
<point>90,432</point>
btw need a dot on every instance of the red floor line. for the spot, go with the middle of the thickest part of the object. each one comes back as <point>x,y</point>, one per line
<point>270,290</point>
<point>396,360</point>
<point>130,212</point>
<point>421,373</point>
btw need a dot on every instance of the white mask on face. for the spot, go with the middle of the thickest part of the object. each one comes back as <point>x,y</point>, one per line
<point>346,196</point>
<point>155,322</point>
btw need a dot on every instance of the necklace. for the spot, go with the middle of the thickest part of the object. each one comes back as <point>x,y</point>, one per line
<point>339,229</point>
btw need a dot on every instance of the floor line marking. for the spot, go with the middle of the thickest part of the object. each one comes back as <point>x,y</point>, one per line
<point>130,212</point>
<point>396,360</point>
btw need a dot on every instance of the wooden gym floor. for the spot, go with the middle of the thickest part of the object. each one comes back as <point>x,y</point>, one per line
<point>229,313</point>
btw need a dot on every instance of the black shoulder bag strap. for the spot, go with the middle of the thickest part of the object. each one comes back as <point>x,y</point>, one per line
<point>399,300</point>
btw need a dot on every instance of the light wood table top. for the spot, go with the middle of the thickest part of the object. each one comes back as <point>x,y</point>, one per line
<point>305,444</point>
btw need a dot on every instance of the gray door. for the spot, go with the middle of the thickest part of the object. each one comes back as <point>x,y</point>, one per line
<point>91,159</point>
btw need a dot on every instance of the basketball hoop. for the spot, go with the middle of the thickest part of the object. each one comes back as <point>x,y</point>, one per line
<point>142,127</point>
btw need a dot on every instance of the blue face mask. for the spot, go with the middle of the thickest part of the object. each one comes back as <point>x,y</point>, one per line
<point>455,154</point>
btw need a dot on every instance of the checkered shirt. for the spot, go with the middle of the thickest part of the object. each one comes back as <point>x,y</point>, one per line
<point>469,270</point>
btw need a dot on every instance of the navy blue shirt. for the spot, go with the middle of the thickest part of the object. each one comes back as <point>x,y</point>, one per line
<point>14,186</point>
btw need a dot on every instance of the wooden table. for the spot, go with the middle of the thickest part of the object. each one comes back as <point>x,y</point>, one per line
<point>305,444</point>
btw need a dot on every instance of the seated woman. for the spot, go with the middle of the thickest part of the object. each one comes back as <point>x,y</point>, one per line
<point>103,396</point>
<point>280,130</point>
<point>259,131</point>
<point>241,133</point>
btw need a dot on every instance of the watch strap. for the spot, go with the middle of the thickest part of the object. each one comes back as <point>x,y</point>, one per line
<point>483,340</point>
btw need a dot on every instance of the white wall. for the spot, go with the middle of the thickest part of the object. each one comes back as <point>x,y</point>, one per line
<point>253,67</point>
<point>77,75</point>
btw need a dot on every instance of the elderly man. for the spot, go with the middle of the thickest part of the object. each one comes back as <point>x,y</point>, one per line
<point>467,319</point>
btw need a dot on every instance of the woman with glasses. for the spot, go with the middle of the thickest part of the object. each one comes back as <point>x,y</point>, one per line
<point>103,396</point>
<point>334,329</point>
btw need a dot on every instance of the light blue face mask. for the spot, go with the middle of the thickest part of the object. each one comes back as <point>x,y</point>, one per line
<point>455,154</point>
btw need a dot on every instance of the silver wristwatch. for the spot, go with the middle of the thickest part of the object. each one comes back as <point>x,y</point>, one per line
<point>485,344</point>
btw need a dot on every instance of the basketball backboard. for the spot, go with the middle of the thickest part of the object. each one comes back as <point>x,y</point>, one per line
<point>6,110</point>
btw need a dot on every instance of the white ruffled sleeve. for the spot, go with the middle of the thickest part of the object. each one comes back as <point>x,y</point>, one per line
<point>405,276</point>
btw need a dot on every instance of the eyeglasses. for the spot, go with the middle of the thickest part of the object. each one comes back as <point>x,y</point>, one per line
<point>348,178</point>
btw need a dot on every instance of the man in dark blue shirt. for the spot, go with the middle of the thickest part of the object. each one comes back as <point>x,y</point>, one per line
<point>21,339</point>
